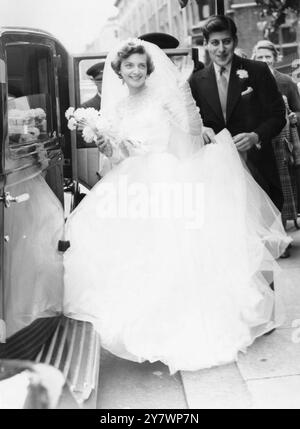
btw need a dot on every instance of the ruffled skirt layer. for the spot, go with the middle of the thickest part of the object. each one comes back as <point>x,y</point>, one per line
<point>172,260</point>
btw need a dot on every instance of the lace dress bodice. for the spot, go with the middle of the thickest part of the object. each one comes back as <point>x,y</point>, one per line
<point>148,122</point>
<point>144,121</point>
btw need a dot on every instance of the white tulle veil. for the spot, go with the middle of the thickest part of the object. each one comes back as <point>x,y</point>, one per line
<point>167,81</point>
<point>165,77</point>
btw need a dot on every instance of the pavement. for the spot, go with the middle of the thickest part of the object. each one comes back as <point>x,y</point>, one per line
<point>267,376</point>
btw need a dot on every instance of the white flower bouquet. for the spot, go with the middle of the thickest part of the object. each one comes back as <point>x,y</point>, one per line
<point>93,126</point>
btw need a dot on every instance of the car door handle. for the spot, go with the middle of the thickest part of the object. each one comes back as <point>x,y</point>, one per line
<point>8,199</point>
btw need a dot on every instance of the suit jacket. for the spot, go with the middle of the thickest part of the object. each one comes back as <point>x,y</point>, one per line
<point>253,104</point>
<point>94,102</point>
<point>288,87</point>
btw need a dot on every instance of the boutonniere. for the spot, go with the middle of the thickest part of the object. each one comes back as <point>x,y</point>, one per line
<point>242,74</point>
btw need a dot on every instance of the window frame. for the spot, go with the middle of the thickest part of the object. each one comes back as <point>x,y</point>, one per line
<point>53,91</point>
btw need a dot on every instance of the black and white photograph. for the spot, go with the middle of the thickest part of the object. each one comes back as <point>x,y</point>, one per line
<point>149,207</point>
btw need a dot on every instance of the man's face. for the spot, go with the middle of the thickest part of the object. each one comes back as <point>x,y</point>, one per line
<point>221,46</point>
<point>98,82</point>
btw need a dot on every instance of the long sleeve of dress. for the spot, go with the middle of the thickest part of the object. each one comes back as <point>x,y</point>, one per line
<point>119,150</point>
<point>156,121</point>
<point>186,123</point>
<point>183,111</point>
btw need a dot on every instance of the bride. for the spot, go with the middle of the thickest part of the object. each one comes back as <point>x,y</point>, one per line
<point>171,252</point>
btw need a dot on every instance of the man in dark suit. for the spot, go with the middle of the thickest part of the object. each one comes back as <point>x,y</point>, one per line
<point>95,72</point>
<point>242,96</point>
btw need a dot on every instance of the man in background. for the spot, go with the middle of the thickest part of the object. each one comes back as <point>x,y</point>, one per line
<point>95,72</point>
<point>242,96</point>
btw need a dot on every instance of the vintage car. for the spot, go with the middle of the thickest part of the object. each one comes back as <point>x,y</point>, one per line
<point>32,179</point>
<point>36,169</point>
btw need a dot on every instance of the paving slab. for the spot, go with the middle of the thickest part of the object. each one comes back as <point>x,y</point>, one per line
<point>216,388</point>
<point>275,355</point>
<point>275,393</point>
<point>287,286</point>
<point>294,260</point>
<point>124,385</point>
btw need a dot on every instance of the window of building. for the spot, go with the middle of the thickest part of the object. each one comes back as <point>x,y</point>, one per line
<point>149,8</point>
<point>152,24</point>
<point>205,11</point>
<point>30,90</point>
<point>176,28</point>
<point>142,16</point>
<point>194,12</point>
<point>163,14</point>
<point>134,21</point>
<point>203,8</point>
<point>286,40</point>
<point>284,34</point>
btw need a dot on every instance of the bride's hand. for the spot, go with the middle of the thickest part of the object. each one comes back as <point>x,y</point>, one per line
<point>104,146</point>
<point>81,124</point>
<point>209,135</point>
<point>130,143</point>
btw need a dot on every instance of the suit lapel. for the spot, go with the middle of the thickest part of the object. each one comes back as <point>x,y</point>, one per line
<point>211,92</point>
<point>234,87</point>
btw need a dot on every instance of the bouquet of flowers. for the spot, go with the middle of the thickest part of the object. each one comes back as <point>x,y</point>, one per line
<point>94,127</point>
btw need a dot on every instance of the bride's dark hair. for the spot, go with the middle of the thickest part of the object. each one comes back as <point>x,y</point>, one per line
<point>129,49</point>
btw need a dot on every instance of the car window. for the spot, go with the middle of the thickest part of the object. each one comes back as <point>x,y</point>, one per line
<point>29,93</point>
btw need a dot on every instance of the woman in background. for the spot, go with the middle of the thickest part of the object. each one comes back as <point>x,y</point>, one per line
<point>286,145</point>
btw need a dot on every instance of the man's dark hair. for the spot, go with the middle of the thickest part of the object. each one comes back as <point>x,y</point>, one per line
<point>218,23</point>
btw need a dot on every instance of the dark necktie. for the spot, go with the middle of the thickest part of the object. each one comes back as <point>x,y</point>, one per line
<point>223,87</point>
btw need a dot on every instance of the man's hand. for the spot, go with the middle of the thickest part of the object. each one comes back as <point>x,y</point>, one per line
<point>245,141</point>
<point>209,135</point>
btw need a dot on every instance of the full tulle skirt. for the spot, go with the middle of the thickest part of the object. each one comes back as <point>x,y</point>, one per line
<point>172,259</point>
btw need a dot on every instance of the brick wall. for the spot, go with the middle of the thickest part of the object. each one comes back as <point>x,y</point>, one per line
<point>246,19</point>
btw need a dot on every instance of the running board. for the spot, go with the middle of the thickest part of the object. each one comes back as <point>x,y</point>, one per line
<point>74,349</point>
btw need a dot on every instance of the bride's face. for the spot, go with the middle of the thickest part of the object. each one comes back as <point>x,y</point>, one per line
<point>134,71</point>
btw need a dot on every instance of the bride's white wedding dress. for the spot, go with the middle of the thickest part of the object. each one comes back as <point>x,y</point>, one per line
<point>170,252</point>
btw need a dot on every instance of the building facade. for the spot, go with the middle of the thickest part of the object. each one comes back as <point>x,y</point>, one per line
<point>137,17</point>
<point>253,27</point>
<point>107,38</point>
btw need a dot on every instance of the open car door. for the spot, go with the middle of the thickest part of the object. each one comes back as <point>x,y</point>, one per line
<point>85,157</point>
<point>31,206</point>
